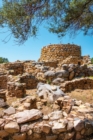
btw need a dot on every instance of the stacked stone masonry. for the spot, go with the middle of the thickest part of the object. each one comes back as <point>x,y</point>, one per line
<point>59,52</point>
<point>83,83</point>
<point>63,54</point>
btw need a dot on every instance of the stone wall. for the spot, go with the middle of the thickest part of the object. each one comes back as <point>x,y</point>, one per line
<point>83,83</point>
<point>30,80</point>
<point>16,89</point>
<point>3,81</point>
<point>59,52</point>
<point>15,68</point>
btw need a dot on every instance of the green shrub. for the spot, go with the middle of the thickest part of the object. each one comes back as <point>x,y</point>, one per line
<point>92,60</point>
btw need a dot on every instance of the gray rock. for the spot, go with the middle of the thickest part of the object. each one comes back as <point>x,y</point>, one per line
<point>28,115</point>
<point>57,81</point>
<point>49,74</point>
<point>2,103</point>
<point>46,92</point>
<point>65,66</point>
<point>9,111</point>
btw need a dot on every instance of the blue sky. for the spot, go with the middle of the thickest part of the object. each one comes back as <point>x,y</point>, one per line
<point>32,47</point>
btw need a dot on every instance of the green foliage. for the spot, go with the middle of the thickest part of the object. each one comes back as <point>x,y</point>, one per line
<point>49,81</point>
<point>24,17</point>
<point>3,60</point>
<point>92,60</point>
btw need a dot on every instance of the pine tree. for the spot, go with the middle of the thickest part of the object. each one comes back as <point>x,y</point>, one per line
<point>24,17</point>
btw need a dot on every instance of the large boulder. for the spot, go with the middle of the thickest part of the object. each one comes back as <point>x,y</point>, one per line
<point>48,92</point>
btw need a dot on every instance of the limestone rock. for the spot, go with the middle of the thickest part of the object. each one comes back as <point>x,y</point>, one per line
<point>58,127</point>
<point>9,111</point>
<point>11,127</point>
<point>49,74</point>
<point>78,125</point>
<point>28,115</point>
<point>55,115</point>
<point>45,91</point>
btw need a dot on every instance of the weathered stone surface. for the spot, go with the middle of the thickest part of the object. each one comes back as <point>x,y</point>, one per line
<point>46,128</point>
<point>78,125</point>
<point>82,83</point>
<point>45,91</point>
<point>59,52</point>
<point>11,127</point>
<point>58,127</point>
<point>28,115</point>
<point>49,74</point>
<point>16,89</point>
<point>2,103</point>
<point>55,115</point>
<point>9,111</point>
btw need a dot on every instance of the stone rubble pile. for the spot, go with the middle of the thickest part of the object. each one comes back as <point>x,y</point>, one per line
<point>73,120</point>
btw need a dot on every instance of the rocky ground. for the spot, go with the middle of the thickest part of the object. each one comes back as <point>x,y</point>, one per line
<point>44,103</point>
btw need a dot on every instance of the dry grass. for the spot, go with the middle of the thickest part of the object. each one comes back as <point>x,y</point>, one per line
<point>84,95</point>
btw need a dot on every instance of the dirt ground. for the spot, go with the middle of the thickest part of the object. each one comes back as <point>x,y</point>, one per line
<point>84,95</point>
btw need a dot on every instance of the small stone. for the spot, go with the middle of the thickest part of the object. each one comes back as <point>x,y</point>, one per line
<point>9,111</point>
<point>24,128</point>
<point>27,105</point>
<point>55,115</point>
<point>46,128</point>
<point>29,132</point>
<point>78,125</point>
<point>64,114</point>
<point>11,127</point>
<point>54,88</point>
<point>45,117</point>
<point>58,127</point>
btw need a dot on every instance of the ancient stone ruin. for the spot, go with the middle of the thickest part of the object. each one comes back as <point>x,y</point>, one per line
<point>62,54</point>
<point>34,103</point>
